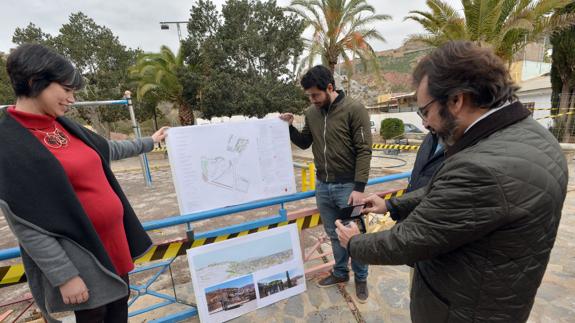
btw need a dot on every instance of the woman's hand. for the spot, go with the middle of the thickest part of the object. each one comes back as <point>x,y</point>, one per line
<point>74,291</point>
<point>160,135</point>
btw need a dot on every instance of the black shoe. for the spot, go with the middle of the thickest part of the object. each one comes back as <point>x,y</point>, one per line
<point>361,291</point>
<point>331,280</point>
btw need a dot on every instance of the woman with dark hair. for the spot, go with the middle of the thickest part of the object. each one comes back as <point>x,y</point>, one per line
<point>77,231</point>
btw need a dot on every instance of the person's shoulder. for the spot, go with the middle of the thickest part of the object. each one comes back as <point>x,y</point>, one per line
<point>310,108</point>
<point>311,111</point>
<point>467,166</point>
<point>353,103</point>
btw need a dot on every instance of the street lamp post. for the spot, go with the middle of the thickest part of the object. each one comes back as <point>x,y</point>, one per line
<point>165,25</point>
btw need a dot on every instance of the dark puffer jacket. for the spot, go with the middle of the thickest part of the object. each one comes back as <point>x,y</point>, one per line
<point>426,163</point>
<point>481,232</point>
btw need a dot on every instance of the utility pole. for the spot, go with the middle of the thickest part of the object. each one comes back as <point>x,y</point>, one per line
<point>165,25</point>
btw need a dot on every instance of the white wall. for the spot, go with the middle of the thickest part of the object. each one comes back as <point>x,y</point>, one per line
<point>200,121</point>
<point>542,100</point>
<point>533,69</point>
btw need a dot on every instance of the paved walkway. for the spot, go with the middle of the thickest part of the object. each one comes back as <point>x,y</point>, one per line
<point>389,295</point>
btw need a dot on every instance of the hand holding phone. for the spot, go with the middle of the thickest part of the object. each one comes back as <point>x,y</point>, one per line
<point>352,213</point>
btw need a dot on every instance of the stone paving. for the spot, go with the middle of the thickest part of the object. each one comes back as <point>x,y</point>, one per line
<point>389,295</point>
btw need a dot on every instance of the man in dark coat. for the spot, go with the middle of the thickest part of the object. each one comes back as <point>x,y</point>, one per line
<point>481,232</point>
<point>429,157</point>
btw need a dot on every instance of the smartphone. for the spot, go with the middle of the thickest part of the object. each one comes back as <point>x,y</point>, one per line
<point>353,213</point>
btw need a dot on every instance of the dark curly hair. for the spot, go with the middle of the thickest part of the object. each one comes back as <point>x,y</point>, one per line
<point>319,76</point>
<point>462,66</point>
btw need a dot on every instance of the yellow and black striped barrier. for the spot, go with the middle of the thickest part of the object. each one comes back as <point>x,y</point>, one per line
<point>174,249</point>
<point>11,275</point>
<point>556,116</point>
<point>543,109</point>
<point>400,147</point>
<point>14,274</point>
<point>162,149</point>
<point>374,146</point>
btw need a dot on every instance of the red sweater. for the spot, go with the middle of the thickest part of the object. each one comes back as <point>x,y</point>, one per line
<point>83,167</point>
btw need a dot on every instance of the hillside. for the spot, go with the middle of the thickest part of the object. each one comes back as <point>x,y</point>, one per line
<point>395,73</point>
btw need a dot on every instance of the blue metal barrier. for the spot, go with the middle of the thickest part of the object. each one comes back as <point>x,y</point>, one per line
<point>186,219</point>
<point>9,253</point>
<point>182,219</point>
<point>93,103</point>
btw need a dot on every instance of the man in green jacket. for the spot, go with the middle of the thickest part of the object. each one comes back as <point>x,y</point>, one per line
<point>339,129</point>
<point>481,232</point>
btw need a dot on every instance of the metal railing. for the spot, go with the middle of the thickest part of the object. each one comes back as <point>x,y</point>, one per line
<point>126,102</point>
<point>162,266</point>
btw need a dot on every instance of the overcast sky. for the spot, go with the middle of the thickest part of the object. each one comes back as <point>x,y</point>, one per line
<point>136,22</point>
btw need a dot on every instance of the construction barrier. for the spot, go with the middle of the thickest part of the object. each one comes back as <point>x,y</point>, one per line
<point>308,178</point>
<point>400,147</point>
<point>177,248</point>
<point>10,275</point>
<point>556,116</point>
<point>542,109</point>
<point>14,274</point>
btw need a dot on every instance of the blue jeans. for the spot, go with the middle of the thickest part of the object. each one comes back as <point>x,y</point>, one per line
<point>330,197</point>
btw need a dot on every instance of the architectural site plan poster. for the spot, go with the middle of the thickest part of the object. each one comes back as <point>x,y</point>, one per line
<point>236,276</point>
<point>219,165</point>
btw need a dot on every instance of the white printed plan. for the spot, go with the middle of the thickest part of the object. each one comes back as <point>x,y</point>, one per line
<point>225,164</point>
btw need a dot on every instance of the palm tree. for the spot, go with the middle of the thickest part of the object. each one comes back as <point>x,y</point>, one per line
<point>504,25</point>
<point>157,74</point>
<point>340,28</point>
<point>563,79</point>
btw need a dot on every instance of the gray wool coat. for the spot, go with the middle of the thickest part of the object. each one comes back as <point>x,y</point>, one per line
<point>51,259</point>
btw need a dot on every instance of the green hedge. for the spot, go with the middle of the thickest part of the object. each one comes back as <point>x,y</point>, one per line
<point>391,128</point>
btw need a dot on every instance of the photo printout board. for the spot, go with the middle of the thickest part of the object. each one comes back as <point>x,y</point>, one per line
<point>236,276</point>
<point>226,164</point>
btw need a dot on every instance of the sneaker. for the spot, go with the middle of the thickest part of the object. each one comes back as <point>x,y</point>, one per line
<point>331,280</point>
<point>361,291</point>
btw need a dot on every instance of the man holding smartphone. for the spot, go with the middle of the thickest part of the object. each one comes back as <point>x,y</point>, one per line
<point>339,129</point>
<point>480,234</point>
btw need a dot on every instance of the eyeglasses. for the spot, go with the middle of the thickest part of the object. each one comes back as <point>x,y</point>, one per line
<point>422,111</point>
<point>314,95</point>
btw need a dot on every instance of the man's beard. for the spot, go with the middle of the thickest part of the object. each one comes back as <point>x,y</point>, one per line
<point>448,126</point>
<point>325,104</point>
